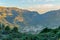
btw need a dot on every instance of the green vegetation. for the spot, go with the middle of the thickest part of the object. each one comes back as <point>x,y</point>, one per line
<point>12,34</point>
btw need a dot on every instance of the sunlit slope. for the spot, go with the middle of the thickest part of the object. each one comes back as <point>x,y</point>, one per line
<point>29,21</point>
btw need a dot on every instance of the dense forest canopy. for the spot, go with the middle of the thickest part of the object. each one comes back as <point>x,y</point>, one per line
<point>6,33</point>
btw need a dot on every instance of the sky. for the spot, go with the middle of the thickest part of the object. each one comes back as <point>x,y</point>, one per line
<point>32,4</point>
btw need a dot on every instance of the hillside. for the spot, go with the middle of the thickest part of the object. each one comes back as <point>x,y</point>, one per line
<point>29,21</point>
<point>13,34</point>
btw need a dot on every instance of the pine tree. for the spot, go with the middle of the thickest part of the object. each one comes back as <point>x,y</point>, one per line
<point>15,29</point>
<point>45,30</point>
<point>7,29</point>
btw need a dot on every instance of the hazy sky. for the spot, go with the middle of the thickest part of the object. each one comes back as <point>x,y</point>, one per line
<point>27,3</point>
<point>30,3</point>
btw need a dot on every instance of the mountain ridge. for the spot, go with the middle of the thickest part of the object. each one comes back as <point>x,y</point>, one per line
<point>29,21</point>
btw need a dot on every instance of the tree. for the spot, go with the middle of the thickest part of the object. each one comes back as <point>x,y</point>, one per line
<point>45,30</point>
<point>2,27</point>
<point>7,29</point>
<point>15,29</point>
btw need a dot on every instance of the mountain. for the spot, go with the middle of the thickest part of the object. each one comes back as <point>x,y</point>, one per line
<point>51,19</point>
<point>25,20</point>
<point>29,21</point>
